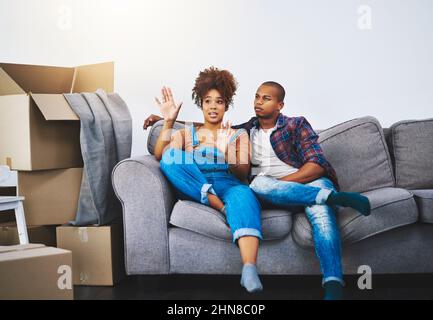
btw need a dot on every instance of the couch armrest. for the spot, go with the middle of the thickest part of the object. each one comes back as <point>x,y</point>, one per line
<point>147,200</point>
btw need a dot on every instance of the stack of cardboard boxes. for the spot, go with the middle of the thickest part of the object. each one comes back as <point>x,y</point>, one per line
<point>40,140</point>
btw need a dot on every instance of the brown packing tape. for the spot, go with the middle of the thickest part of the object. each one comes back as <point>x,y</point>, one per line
<point>83,234</point>
<point>74,78</point>
<point>84,277</point>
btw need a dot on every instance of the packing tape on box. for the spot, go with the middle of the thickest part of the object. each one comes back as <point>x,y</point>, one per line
<point>9,162</point>
<point>84,278</point>
<point>82,233</point>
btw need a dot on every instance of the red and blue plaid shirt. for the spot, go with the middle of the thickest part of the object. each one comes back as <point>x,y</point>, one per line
<point>295,143</point>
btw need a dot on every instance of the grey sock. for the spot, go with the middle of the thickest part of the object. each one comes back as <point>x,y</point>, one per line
<point>250,279</point>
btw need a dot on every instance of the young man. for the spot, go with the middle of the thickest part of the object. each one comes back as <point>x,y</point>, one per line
<point>291,170</point>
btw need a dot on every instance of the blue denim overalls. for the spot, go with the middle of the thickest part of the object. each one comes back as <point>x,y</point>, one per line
<point>204,170</point>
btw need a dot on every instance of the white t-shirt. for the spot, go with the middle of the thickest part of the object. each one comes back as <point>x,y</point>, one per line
<point>263,155</point>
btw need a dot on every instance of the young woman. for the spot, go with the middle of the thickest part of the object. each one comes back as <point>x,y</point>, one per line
<point>207,164</point>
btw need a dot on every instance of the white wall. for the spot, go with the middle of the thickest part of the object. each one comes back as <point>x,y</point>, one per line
<point>333,68</point>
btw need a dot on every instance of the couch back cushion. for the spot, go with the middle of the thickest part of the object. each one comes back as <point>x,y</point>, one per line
<point>154,133</point>
<point>359,154</point>
<point>412,149</point>
<point>356,149</point>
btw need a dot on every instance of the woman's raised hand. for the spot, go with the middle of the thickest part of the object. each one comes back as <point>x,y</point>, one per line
<point>224,136</point>
<point>169,109</point>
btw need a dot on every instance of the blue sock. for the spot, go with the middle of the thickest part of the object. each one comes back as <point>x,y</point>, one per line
<point>250,279</point>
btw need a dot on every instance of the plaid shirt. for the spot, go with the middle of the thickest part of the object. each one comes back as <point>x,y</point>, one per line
<point>295,143</point>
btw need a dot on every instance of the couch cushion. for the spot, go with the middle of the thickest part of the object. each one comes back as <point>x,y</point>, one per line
<point>424,201</point>
<point>154,133</point>
<point>412,148</point>
<point>358,152</point>
<point>276,224</point>
<point>391,208</point>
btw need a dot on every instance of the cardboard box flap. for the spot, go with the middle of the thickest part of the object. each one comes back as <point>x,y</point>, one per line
<point>7,85</point>
<point>54,107</point>
<point>89,78</point>
<point>20,247</point>
<point>40,79</point>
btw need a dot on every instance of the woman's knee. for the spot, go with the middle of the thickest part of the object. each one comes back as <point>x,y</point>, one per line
<point>172,156</point>
<point>242,189</point>
<point>241,196</point>
<point>175,160</point>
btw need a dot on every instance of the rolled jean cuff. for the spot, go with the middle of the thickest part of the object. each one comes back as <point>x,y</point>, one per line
<point>242,232</point>
<point>322,196</point>
<point>332,278</point>
<point>205,189</point>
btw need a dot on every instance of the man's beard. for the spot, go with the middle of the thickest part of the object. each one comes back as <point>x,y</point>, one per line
<point>266,116</point>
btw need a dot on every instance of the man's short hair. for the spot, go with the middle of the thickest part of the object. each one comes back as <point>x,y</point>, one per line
<point>279,87</point>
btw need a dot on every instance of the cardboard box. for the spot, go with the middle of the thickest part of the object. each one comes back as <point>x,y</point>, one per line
<point>35,271</point>
<point>38,129</point>
<point>37,234</point>
<point>51,196</point>
<point>97,253</point>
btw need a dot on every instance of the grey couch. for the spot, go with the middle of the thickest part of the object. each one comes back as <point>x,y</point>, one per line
<point>393,167</point>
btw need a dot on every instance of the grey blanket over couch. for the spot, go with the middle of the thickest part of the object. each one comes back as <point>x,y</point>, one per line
<point>105,137</point>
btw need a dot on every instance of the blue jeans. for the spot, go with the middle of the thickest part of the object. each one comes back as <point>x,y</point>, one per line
<point>322,218</point>
<point>194,177</point>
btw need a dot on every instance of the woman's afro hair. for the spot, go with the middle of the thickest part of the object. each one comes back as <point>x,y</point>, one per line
<point>213,78</point>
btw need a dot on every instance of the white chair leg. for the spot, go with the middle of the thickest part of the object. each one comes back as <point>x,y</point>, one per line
<point>21,223</point>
